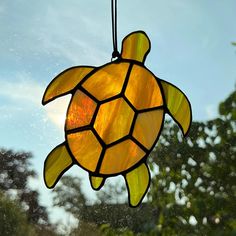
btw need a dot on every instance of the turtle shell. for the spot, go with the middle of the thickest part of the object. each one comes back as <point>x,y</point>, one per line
<point>114,118</point>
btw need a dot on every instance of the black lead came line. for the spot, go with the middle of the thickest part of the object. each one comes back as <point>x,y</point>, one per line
<point>114,28</point>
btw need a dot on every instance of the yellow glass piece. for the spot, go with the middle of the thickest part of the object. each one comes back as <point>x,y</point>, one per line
<point>80,112</point>
<point>108,81</point>
<point>114,120</point>
<point>178,105</point>
<point>143,90</point>
<point>138,183</point>
<point>135,46</point>
<point>96,182</point>
<point>57,161</point>
<point>147,127</point>
<point>121,157</point>
<point>85,148</point>
<point>65,82</point>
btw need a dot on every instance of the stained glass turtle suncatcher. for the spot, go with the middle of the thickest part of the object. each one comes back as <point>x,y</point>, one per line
<point>114,118</point>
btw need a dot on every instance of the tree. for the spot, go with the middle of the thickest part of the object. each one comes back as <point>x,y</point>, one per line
<point>13,221</point>
<point>193,189</point>
<point>15,172</point>
<point>197,177</point>
<point>68,194</point>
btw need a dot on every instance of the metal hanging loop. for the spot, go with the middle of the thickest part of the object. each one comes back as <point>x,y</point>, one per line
<point>115,53</point>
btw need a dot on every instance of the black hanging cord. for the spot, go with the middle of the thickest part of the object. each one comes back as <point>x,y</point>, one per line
<point>114,28</point>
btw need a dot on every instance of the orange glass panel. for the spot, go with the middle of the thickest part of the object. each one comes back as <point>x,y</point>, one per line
<point>80,112</point>
<point>108,81</point>
<point>143,90</point>
<point>121,157</point>
<point>114,120</point>
<point>147,127</point>
<point>135,46</point>
<point>85,148</point>
<point>65,82</point>
<point>178,105</point>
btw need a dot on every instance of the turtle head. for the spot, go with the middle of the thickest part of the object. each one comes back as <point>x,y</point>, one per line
<point>136,46</point>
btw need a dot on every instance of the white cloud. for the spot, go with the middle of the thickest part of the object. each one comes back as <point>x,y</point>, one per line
<point>24,90</point>
<point>75,50</point>
<point>70,38</point>
<point>25,95</point>
<point>211,111</point>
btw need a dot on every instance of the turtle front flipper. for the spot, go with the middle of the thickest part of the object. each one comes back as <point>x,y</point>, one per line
<point>96,182</point>
<point>137,181</point>
<point>136,46</point>
<point>178,106</point>
<point>65,82</point>
<point>56,164</point>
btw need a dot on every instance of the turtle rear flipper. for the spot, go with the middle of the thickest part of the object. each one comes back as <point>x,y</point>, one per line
<point>56,164</point>
<point>137,181</point>
<point>178,106</point>
<point>65,82</point>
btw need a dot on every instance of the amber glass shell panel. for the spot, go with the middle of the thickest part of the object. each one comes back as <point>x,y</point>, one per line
<point>114,120</point>
<point>121,157</point>
<point>147,127</point>
<point>80,112</point>
<point>107,81</point>
<point>143,90</point>
<point>85,148</point>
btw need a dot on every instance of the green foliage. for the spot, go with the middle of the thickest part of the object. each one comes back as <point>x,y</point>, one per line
<point>106,230</point>
<point>197,177</point>
<point>13,220</point>
<point>68,195</point>
<point>193,189</point>
<point>15,172</point>
<point>86,228</point>
<point>227,109</point>
<point>15,169</point>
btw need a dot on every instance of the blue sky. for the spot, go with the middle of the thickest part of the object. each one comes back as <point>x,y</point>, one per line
<point>191,48</point>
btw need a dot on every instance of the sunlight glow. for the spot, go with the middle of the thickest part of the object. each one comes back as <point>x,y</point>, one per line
<point>56,111</point>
